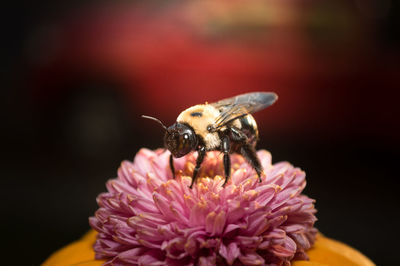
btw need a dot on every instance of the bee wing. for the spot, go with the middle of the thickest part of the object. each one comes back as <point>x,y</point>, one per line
<point>241,105</point>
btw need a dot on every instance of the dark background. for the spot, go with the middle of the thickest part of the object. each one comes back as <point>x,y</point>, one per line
<point>77,77</point>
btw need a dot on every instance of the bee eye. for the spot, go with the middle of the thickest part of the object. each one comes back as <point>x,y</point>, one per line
<point>185,136</point>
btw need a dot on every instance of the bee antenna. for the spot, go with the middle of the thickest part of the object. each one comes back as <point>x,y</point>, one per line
<point>155,119</point>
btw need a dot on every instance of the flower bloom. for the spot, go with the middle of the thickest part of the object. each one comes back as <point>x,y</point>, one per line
<point>149,218</point>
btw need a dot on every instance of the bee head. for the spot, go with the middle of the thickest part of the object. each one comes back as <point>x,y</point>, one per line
<point>180,139</point>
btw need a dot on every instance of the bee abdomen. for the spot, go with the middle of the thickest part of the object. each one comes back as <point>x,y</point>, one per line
<point>249,128</point>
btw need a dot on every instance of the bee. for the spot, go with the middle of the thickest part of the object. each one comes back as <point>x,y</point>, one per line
<point>226,126</point>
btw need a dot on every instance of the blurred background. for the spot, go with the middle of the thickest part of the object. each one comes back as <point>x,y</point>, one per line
<point>78,75</point>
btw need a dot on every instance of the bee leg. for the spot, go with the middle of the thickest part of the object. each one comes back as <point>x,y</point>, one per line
<point>227,160</point>
<point>247,150</point>
<point>238,136</point>
<point>200,157</point>
<point>249,153</point>
<point>171,165</point>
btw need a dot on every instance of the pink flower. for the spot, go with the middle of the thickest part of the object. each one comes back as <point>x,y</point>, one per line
<point>149,218</point>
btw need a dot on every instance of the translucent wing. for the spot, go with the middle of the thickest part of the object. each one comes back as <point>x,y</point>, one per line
<point>241,105</point>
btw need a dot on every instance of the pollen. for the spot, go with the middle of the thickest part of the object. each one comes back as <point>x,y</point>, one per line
<point>248,182</point>
<point>173,210</point>
<point>215,196</point>
<point>202,188</point>
<point>217,178</point>
<point>253,193</point>
<point>202,204</point>
<point>130,198</point>
<point>187,245</point>
<point>187,178</point>
<point>235,188</point>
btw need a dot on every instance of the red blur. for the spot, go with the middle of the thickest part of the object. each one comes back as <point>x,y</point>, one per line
<point>329,71</point>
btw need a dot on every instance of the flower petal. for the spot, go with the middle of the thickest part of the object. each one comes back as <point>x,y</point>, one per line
<point>251,258</point>
<point>230,252</point>
<point>207,261</point>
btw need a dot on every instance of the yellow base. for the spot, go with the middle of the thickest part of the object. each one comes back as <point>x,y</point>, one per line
<point>324,252</point>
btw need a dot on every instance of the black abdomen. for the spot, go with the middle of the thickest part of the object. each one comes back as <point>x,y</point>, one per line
<point>249,127</point>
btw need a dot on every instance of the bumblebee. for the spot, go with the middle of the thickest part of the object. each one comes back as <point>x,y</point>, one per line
<point>226,126</point>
